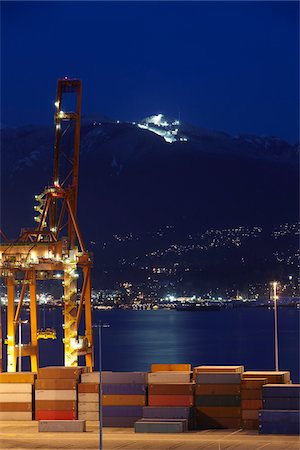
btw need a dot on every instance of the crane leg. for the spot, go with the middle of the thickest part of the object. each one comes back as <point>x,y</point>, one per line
<point>33,322</point>
<point>11,352</point>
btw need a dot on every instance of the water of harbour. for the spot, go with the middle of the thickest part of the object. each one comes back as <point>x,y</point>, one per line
<point>135,339</point>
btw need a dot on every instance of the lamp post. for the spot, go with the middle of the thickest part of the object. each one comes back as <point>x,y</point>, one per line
<point>275,298</point>
<point>20,322</point>
<point>100,325</point>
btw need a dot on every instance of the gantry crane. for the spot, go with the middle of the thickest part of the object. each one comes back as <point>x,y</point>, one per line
<point>54,249</point>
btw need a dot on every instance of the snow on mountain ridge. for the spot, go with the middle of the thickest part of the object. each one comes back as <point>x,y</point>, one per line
<point>164,126</point>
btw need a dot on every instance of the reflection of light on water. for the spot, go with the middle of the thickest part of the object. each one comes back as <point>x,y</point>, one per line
<point>136,339</point>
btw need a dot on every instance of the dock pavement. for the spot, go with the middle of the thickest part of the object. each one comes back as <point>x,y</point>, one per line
<point>24,435</point>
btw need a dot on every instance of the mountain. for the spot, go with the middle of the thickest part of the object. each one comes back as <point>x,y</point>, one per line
<point>133,178</point>
<point>150,192</point>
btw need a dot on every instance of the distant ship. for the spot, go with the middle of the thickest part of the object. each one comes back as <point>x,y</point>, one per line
<point>203,306</point>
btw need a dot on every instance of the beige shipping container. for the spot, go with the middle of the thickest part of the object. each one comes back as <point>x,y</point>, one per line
<point>15,398</point>
<point>15,415</point>
<point>169,377</point>
<point>87,397</point>
<point>88,415</point>
<point>93,377</point>
<point>20,388</point>
<point>50,394</point>
<point>88,407</point>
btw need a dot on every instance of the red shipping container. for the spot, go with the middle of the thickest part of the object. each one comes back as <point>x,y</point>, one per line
<point>55,415</point>
<point>170,400</point>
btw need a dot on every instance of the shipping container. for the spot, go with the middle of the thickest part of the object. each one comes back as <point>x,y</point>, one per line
<point>171,367</point>
<point>171,388</point>
<point>218,378</point>
<point>169,377</point>
<point>218,400</point>
<point>272,376</point>
<point>171,400</point>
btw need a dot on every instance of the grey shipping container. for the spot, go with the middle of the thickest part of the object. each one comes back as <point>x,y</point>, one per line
<point>125,377</point>
<point>124,388</point>
<point>123,411</point>
<point>218,378</point>
<point>158,427</point>
<point>119,421</point>
<point>183,421</point>
<point>168,412</point>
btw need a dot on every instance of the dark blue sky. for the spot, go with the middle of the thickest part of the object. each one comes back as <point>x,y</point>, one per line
<point>232,66</point>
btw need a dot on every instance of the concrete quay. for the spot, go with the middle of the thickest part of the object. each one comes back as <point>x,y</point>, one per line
<point>24,435</point>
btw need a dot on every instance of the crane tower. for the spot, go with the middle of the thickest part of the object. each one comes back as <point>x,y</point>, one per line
<point>54,249</point>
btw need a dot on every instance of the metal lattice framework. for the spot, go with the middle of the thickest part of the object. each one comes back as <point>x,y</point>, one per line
<point>45,253</point>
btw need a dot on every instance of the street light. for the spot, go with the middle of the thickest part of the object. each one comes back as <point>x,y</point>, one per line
<point>100,325</point>
<point>275,298</point>
<point>20,322</point>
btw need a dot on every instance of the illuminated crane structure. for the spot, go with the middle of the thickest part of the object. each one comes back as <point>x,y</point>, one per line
<point>55,248</point>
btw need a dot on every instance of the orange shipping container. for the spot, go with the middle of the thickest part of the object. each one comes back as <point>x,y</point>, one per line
<point>171,367</point>
<point>60,372</point>
<point>251,404</point>
<point>171,389</point>
<point>170,400</point>
<point>18,377</point>
<point>219,369</point>
<point>123,400</point>
<point>250,424</point>
<point>253,383</point>
<point>55,405</point>
<point>88,388</point>
<point>16,406</point>
<point>56,415</point>
<point>250,414</point>
<point>251,394</point>
<point>55,384</point>
<point>218,389</point>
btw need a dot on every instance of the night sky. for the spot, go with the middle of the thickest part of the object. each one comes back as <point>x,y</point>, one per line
<point>231,66</point>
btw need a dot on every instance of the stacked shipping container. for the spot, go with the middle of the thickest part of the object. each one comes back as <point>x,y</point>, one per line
<point>16,396</point>
<point>56,393</point>
<point>170,399</point>
<point>124,395</point>
<point>280,413</point>
<point>88,400</point>
<point>223,396</point>
<point>251,395</point>
<point>218,396</point>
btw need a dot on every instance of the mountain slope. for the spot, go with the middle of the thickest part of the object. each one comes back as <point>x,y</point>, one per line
<point>132,179</point>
